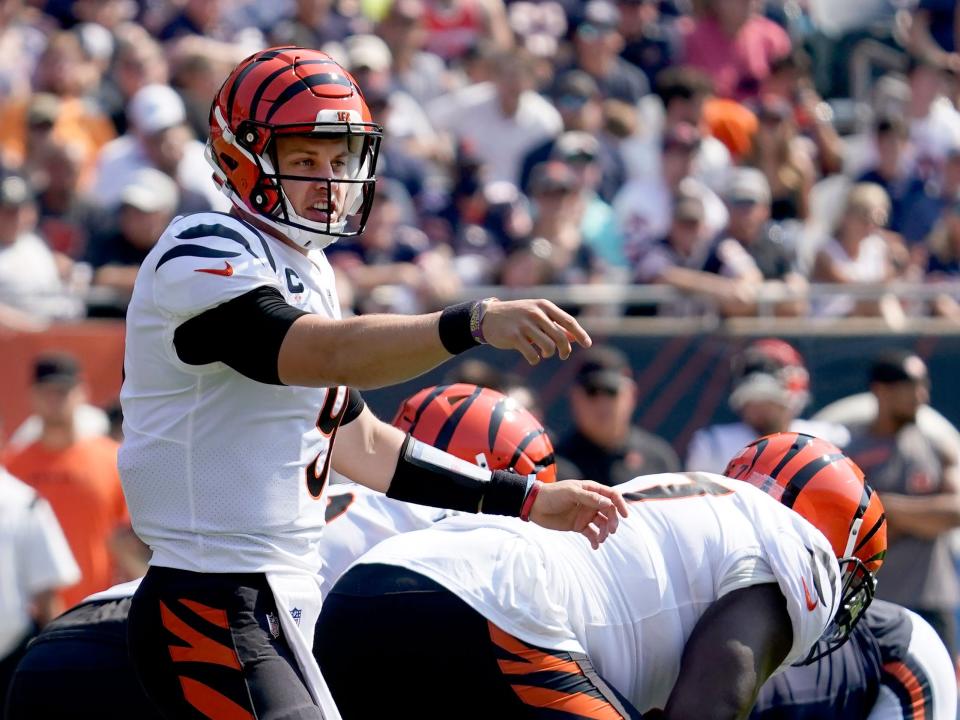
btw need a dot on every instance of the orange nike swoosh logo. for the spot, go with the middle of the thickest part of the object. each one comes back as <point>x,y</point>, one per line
<point>226,272</point>
<point>811,601</point>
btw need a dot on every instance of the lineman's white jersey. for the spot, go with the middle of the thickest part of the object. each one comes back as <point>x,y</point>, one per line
<point>359,518</point>
<point>215,465</point>
<point>631,605</point>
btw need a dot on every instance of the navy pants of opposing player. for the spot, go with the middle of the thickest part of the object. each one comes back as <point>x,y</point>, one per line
<point>78,668</point>
<point>210,646</point>
<point>394,644</point>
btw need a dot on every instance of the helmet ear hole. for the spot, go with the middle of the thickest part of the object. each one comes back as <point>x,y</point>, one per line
<point>264,197</point>
<point>248,136</point>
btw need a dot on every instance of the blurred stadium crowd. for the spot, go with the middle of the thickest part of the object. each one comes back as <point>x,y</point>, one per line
<point>733,149</point>
<point>740,152</point>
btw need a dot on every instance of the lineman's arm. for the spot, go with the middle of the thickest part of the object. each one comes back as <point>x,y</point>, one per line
<point>736,645</point>
<point>375,350</point>
<point>375,454</point>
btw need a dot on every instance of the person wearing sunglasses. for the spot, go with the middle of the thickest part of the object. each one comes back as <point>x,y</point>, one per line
<point>604,439</point>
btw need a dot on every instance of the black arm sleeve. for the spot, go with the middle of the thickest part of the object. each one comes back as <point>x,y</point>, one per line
<point>421,480</point>
<point>245,333</point>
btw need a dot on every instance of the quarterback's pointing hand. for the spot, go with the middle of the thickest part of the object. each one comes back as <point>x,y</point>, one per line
<point>535,328</point>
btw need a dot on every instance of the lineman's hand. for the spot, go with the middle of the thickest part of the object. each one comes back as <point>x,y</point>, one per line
<point>584,506</point>
<point>535,328</point>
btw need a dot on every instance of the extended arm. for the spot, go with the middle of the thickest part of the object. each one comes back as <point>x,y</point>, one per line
<point>378,455</point>
<point>736,645</point>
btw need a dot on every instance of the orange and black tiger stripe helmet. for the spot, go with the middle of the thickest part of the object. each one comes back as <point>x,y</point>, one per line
<point>291,91</point>
<point>479,425</point>
<point>814,478</point>
<point>819,482</point>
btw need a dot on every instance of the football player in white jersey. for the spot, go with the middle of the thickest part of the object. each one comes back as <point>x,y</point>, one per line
<point>709,586</point>
<point>83,654</point>
<point>239,376</point>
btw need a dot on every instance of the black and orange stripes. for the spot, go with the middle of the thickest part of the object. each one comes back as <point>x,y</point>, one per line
<point>906,680</point>
<point>554,680</point>
<point>814,478</point>
<point>211,646</point>
<point>467,420</point>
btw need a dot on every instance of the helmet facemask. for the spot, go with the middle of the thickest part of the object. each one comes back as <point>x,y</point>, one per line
<point>267,198</point>
<point>856,594</point>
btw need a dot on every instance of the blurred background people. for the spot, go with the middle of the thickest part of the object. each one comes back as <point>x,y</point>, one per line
<point>916,476</point>
<point>605,444</point>
<point>770,387</point>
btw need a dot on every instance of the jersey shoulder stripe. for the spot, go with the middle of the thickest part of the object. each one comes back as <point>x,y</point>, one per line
<point>186,283</point>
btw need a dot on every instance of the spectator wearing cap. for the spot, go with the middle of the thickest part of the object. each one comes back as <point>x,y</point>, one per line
<point>604,443</point>
<point>753,247</point>
<point>735,45</point>
<point>147,205</point>
<point>784,157</point>
<point>682,259</point>
<point>644,205</point>
<point>577,98</point>
<point>32,290</point>
<point>597,45</point>
<point>580,151</point>
<point>159,138</point>
<point>393,252</point>
<point>78,477</point>
<point>916,476</point>
<point>770,387</point>
<point>505,117</point>
<point>559,207</point>
<point>420,73</point>
<point>859,254</point>
<point>370,61</point>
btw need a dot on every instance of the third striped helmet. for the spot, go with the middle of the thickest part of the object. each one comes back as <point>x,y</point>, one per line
<point>815,479</point>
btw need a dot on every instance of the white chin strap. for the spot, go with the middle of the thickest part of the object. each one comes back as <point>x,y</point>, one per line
<point>313,234</point>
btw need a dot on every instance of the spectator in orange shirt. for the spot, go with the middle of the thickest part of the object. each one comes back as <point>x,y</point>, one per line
<point>79,478</point>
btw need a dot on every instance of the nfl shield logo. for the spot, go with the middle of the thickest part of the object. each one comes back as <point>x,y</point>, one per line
<point>274,624</point>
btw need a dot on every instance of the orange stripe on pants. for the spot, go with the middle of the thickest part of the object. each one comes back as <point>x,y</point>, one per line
<point>912,685</point>
<point>211,703</point>
<point>578,704</point>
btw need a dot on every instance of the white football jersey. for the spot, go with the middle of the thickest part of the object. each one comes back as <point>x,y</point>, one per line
<point>359,518</point>
<point>631,605</point>
<point>222,473</point>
